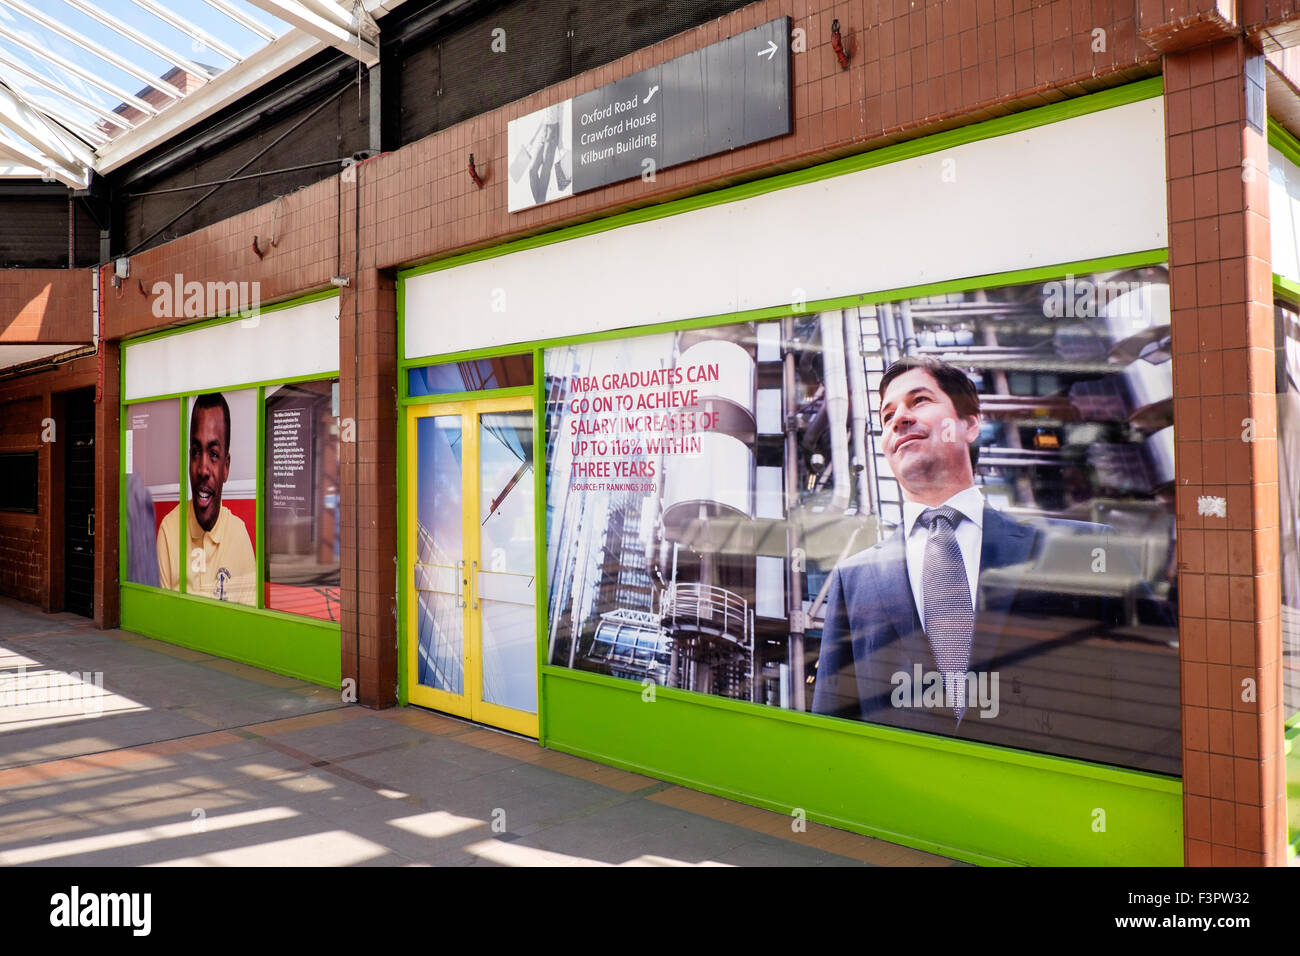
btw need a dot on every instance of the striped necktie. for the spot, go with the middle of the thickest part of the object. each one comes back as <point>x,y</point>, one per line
<point>949,614</point>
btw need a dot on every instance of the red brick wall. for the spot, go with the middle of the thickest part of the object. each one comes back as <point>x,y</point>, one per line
<point>31,546</point>
<point>22,547</point>
<point>45,305</point>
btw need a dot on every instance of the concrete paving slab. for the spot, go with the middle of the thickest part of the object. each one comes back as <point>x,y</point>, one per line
<point>195,761</point>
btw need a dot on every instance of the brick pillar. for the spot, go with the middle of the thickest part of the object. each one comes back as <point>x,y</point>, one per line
<point>1223,344</point>
<point>368,389</point>
<point>108,595</point>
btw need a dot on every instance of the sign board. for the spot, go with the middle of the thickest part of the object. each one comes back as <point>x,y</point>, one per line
<point>726,95</point>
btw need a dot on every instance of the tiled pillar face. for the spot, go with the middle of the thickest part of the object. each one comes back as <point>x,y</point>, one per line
<point>368,396</point>
<point>108,594</point>
<point>1225,416</point>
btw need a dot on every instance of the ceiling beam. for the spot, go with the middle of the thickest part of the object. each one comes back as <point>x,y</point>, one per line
<point>59,148</point>
<point>323,28</point>
<point>91,47</point>
<point>189,29</point>
<point>201,73</point>
<point>47,84</point>
<point>64,63</point>
<point>261,67</point>
<point>242,18</point>
<point>27,157</point>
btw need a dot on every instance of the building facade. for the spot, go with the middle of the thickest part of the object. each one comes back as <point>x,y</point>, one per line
<point>583,444</point>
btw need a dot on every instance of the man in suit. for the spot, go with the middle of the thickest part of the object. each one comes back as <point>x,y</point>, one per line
<point>969,623</point>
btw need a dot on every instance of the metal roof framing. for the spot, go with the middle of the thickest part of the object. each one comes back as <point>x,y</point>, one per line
<point>329,23</point>
<point>50,135</point>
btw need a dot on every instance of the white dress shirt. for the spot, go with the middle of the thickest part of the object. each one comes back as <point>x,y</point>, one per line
<point>970,538</point>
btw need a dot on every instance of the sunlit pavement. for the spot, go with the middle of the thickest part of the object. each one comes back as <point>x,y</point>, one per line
<point>117,750</point>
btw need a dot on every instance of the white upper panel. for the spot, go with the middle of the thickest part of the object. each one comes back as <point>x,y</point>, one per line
<point>1085,187</point>
<point>272,346</point>
<point>1284,214</point>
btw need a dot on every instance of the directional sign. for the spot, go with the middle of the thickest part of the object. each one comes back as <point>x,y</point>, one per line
<point>726,95</point>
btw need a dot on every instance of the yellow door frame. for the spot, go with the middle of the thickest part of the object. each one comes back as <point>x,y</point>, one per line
<point>469,704</point>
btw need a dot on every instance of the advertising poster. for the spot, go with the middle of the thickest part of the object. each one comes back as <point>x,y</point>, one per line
<point>152,463</point>
<point>762,512</point>
<point>220,504</point>
<point>302,499</point>
<point>540,146</point>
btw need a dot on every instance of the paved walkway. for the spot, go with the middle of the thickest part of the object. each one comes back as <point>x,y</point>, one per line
<point>180,758</point>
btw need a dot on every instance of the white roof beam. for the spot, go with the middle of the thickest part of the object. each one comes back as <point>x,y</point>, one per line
<point>66,64</point>
<point>115,118</point>
<point>330,11</point>
<point>276,58</point>
<point>91,47</point>
<point>321,27</point>
<point>94,137</point>
<point>60,115</point>
<point>139,39</point>
<point>243,19</point>
<point>30,158</point>
<point>261,67</point>
<point>35,129</point>
<point>180,23</point>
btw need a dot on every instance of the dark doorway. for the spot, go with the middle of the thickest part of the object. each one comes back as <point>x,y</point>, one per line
<point>78,427</point>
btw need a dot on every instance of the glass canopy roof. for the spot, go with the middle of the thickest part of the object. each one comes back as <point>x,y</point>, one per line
<point>90,84</point>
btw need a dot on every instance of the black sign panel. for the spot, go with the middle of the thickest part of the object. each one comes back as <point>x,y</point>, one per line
<point>727,95</point>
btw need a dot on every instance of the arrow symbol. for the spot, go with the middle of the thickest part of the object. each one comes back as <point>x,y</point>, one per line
<point>653,90</point>
<point>769,50</point>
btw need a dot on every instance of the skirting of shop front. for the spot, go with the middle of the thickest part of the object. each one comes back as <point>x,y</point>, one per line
<point>284,643</point>
<point>981,804</point>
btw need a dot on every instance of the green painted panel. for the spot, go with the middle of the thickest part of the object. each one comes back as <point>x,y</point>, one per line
<point>284,643</point>
<point>971,802</point>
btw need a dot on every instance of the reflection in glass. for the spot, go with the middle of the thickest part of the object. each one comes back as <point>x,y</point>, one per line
<point>439,568</point>
<point>506,584</point>
<point>473,376</point>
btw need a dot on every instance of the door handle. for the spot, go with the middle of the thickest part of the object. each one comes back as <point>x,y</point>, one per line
<point>473,575</point>
<point>90,525</point>
<point>460,583</point>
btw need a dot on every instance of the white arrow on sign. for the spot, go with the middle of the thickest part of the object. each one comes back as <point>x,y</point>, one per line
<point>769,50</point>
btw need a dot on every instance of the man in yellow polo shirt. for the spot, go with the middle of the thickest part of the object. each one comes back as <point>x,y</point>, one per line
<point>221,563</point>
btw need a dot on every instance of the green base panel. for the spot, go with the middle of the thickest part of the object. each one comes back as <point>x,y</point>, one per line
<point>283,643</point>
<point>971,802</point>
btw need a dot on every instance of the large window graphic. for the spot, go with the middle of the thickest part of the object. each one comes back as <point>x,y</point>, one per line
<point>151,462</point>
<point>757,511</point>
<point>220,509</point>
<point>302,499</point>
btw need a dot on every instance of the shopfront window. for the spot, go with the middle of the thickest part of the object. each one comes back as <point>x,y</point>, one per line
<point>151,460</point>
<point>302,499</point>
<point>471,376</point>
<point>741,511</point>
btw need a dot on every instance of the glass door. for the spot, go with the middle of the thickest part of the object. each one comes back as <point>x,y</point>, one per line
<point>471,585</point>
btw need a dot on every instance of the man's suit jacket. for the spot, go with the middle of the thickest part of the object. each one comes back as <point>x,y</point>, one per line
<point>1065,683</point>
